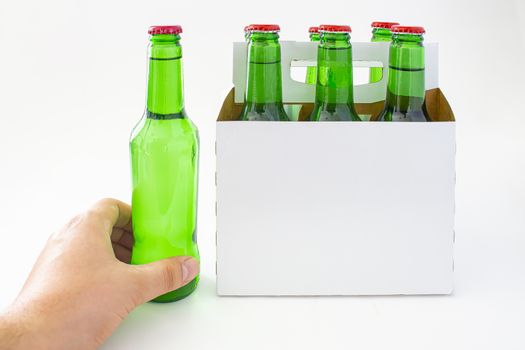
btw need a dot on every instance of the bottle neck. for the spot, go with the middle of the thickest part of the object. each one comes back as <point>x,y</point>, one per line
<point>264,79</point>
<point>334,73</point>
<point>314,37</point>
<point>165,97</point>
<point>381,35</point>
<point>406,74</point>
<point>311,71</point>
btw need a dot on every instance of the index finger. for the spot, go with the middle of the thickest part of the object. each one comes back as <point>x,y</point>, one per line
<point>113,212</point>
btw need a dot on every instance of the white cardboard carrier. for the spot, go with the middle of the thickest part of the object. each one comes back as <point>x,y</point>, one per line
<point>334,208</point>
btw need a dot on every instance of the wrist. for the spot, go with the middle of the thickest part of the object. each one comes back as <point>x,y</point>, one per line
<point>19,330</point>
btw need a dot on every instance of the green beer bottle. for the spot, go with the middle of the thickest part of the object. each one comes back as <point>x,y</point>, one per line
<point>380,33</point>
<point>164,163</point>
<point>263,99</point>
<point>405,96</point>
<point>334,92</point>
<point>311,71</point>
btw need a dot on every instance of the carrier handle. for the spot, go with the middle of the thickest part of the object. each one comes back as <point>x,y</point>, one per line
<point>365,54</point>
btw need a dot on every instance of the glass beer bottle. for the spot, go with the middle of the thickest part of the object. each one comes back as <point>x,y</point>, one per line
<point>334,92</point>
<point>311,71</point>
<point>405,98</point>
<point>380,33</point>
<point>263,97</point>
<point>164,163</point>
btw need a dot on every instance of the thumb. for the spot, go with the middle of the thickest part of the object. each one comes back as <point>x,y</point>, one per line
<point>165,275</point>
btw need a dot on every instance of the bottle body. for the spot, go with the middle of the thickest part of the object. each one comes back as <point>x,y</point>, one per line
<point>263,97</point>
<point>164,149</point>
<point>406,80</point>
<point>334,94</point>
<point>164,163</point>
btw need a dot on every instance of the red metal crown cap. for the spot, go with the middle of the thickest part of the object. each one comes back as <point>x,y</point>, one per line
<point>313,30</point>
<point>407,30</point>
<point>334,28</point>
<point>156,30</point>
<point>264,27</point>
<point>386,25</point>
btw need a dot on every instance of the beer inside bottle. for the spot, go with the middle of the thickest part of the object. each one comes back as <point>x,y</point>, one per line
<point>311,71</point>
<point>164,163</point>
<point>263,97</point>
<point>405,96</point>
<point>380,33</point>
<point>334,92</point>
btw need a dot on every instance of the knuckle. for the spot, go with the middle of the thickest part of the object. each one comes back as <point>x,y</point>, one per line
<point>92,214</point>
<point>96,218</point>
<point>54,238</point>
<point>74,222</point>
<point>104,201</point>
<point>97,209</point>
<point>62,233</point>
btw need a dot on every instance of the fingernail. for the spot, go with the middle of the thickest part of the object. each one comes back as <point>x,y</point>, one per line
<point>190,269</point>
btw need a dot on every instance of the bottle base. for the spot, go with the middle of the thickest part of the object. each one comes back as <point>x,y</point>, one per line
<point>178,294</point>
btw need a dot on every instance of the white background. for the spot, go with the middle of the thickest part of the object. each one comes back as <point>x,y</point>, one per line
<point>72,86</point>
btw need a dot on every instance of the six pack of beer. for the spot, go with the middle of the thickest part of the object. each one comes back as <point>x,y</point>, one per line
<point>329,188</point>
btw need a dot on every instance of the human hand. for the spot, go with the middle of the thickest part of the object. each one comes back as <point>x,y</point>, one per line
<point>82,286</point>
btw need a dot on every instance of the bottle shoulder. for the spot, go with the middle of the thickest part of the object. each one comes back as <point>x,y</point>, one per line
<point>334,112</point>
<point>138,127</point>
<point>400,116</point>
<point>264,112</point>
<point>163,130</point>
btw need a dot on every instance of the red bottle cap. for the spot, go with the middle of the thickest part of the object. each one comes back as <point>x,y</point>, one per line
<point>248,28</point>
<point>313,30</point>
<point>155,30</point>
<point>407,30</point>
<point>334,28</point>
<point>386,25</point>
<point>264,28</point>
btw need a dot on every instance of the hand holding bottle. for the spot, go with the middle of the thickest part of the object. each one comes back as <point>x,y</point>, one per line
<point>81,286</point>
